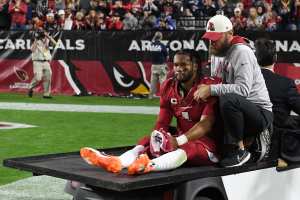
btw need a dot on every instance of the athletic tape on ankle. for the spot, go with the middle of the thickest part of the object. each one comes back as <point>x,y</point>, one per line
<point>181,140</point>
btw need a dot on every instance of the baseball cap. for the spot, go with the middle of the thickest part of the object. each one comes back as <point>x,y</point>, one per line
<point>61,12</point>
<point>217,25</point>
<point>50,14</point>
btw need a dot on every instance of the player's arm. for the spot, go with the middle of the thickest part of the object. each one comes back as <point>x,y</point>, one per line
<point>34,45</point>
<point>201,128</point>
<point>165,115</point>
<point>165,111</point>
<point>51,39</point>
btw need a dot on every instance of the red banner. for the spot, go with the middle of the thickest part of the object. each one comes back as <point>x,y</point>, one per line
<point>113,63</point>
<point>128,77</point>
<point>291,70</point>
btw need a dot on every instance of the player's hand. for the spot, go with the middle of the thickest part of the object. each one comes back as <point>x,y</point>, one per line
<point>202,93</point>
<point>174,143</point>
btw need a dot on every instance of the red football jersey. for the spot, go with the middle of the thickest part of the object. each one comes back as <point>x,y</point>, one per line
<point>186,110</point>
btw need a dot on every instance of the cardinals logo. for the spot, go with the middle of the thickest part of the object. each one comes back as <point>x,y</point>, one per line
<point>21,74</point>
<point>211,26</point>
<point>128,77</point>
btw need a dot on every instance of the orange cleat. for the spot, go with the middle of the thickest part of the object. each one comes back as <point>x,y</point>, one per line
<point>96,158</point>
<point>141,165</point>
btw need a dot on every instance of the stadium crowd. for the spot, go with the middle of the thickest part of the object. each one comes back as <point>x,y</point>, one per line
<point>268,15</point>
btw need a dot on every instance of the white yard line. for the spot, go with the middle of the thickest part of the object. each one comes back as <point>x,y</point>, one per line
<point>80,108</point>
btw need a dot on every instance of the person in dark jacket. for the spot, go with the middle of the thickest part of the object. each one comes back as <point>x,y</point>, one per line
<point>282,90</point>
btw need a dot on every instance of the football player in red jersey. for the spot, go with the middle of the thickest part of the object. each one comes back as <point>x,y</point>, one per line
<point>191,143</point>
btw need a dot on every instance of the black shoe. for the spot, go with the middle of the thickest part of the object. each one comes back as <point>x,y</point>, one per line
<point>47,97</point>
<point>235,158</point>
<point>30,93</point>
<point>262,145</point>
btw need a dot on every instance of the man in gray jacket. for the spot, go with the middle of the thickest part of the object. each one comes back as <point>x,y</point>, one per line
<point>244,101</point>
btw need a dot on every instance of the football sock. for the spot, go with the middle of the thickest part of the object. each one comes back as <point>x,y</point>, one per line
<point>130,156</point>
<point>169,160</point>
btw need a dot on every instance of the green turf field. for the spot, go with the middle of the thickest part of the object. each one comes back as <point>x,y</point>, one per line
<point>86,100</point>
<point>68,131</point>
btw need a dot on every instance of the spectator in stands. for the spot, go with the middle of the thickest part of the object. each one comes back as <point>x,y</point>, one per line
<point>37,23</point>
<point>223,8</point>
<point>159,67</point>
<point>90,20</point>
<point>193,6</point>
<point>244,101</point>
<point>101,22</point>
<point>71,6</point>
<point>85,5</point>
<point>102,7</point>
<point>247,4</point>
<point>94,4</point>
<point>270,19</point>
<point>28,15</point>
<point>79,22</point>
<point>147,21</point>
<point>169,9</point>
<point>296,13</point>
<point>115,22</point>
<point>165,23</point>
<point>149,6</point>
<point>68,21</point>
<point>238,20</point>
<point>284,8</point>
<point>18,11</point>
<point>178,9</point>
<point>283,91</point>
<point>4,15</point>
<point>61,19</point>
<point>260,12</point>
<point>253,22</point>
<point>136,6</point>
<point>50,24</point>
<point>207,10</point>
<point>60,4</point>
<point>118,7</point>
<point>130,22</point>
<point>240,5</point>
<point>190,4</point>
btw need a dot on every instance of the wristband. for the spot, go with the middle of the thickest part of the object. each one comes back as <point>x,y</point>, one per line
<point>181,140</point>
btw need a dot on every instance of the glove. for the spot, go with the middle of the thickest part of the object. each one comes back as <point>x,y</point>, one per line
<point>160,143</point>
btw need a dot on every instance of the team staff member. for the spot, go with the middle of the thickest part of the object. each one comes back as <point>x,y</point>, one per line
<point>41,62</point>
<point>191,143</point>
<point>244,101</point>
<point>159,68</point>
<point>283,92</point>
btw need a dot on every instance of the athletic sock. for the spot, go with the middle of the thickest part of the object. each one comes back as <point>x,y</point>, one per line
<point>130,156</point>
<point>169,160</point>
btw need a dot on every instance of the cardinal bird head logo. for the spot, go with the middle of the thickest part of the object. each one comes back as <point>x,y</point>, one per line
<point>130,77</point>
<point>21,74</point>
<point>211,26</point>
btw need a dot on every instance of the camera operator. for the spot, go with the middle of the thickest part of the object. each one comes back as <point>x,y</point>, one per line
<point>41,62</point>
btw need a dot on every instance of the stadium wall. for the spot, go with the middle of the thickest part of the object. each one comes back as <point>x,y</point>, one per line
<point>115,63</point>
